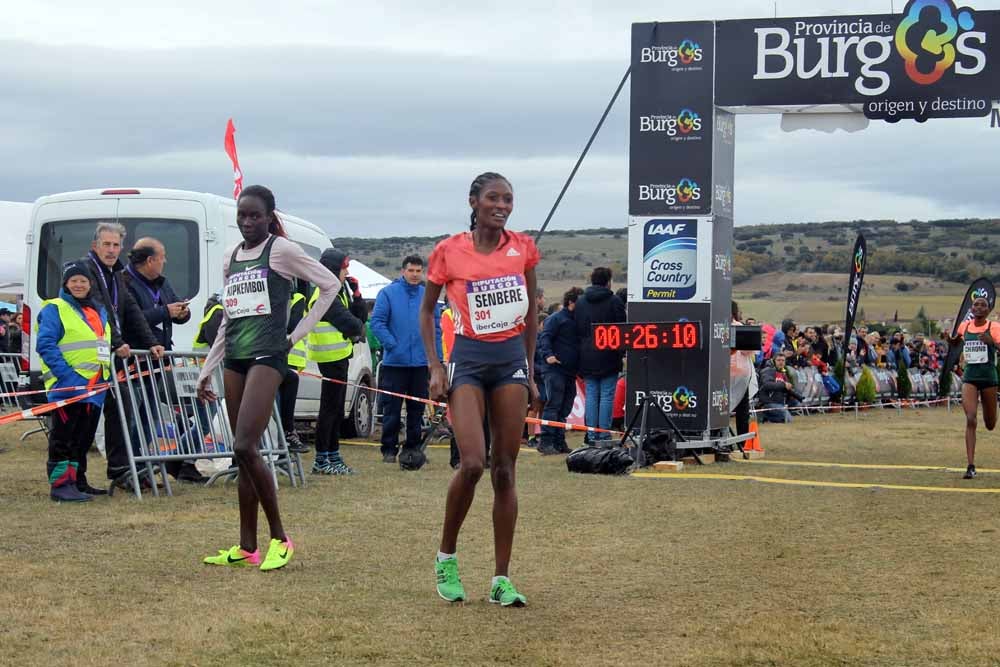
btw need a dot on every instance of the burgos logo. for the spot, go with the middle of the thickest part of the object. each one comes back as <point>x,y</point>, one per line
<point>684,192</point>
<point>980,293</point>
<point>924,39</point>
<point>933,37</point>
<point>688,52</point>
<point>683,398</point>
<point>859,259</point>
<point>683,124</point>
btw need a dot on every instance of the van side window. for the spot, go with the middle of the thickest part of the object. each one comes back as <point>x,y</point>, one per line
<point>66,240</point>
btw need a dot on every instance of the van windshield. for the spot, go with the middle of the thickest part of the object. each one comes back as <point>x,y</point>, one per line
<point>65,240</point>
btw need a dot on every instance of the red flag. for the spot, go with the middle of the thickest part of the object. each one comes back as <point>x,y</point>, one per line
<point>231,152</point>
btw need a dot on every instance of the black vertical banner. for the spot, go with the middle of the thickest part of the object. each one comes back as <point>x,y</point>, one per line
<point>859,259</point>
<point>980,288</point>
<point>670,159</point>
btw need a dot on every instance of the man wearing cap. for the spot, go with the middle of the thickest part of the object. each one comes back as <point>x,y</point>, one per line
<point>128,328</point>
<point>5,316</point>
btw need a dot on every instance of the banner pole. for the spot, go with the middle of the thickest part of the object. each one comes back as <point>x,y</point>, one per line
<point>586,148</point>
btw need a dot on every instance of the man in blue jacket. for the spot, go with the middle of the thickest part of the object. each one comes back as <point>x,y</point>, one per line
<point>394,321</point>
<point>559,344</point>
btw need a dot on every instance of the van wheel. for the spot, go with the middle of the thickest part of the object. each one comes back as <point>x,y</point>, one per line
<point>359,423</point>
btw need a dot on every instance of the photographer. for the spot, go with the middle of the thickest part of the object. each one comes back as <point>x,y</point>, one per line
<point>775,390</point>
<point>898,354</point>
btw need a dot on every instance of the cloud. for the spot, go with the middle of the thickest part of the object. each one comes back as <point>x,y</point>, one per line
<point>378,127</point>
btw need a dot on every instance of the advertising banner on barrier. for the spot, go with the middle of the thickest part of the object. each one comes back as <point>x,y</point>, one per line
<point>935,59</point>
<point>670,162</point>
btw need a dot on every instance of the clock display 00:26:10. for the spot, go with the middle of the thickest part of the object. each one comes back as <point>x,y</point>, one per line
<point>647,336</point>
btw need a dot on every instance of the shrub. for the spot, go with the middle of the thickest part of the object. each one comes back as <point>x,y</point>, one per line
<point>902,287</point>
<point>865,392</point>
<point>760,295</point>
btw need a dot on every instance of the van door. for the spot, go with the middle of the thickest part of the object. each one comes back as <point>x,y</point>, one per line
<point>180,225</point>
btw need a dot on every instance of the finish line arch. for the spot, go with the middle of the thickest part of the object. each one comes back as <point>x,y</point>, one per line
<point>689,82</point>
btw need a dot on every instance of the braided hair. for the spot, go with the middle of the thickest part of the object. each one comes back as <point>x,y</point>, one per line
<point>265,195</point>
<point>476,188</point>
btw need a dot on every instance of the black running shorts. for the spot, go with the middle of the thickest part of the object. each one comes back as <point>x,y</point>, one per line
<point>487,365</point>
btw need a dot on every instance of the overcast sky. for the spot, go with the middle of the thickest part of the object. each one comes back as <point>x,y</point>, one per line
<point>372,120</point>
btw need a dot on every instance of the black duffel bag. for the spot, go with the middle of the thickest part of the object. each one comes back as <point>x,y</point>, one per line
<point>599,460</point>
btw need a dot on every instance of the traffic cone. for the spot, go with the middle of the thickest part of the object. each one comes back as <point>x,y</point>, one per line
<point>753,444</point>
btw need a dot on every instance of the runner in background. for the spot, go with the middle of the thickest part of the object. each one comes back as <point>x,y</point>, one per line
<point>253,347</point>
<point>979,338</point>
<point>489,275</point>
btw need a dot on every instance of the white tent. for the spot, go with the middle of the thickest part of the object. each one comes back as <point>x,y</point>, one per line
<point>371,281</point>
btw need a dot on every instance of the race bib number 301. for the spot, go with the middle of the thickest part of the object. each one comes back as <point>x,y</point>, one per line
<point>246,294</point>
<point>497,304</point>
<point>976,352</point>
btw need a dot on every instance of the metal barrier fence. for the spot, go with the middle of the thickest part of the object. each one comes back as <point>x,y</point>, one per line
<point>923,386</point>
<point>12,382</point>
<point>157,400</point>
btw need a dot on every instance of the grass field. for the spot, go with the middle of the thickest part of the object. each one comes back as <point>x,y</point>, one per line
<point>618,571</point>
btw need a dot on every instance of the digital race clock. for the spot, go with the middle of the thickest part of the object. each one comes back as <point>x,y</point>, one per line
<point>648,336</point>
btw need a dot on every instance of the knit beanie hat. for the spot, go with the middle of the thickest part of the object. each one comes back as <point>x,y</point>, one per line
<point>76,269</point>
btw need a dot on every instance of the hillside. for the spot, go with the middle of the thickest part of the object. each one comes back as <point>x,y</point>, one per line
<point>797,271</point>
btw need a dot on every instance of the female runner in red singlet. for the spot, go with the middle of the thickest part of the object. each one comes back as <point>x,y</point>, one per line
<point>489,275</point>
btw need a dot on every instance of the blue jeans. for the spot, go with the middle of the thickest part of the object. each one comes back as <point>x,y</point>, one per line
<point>775,413</point>
<point>561,391</point>
<point>412,381</point>
<point>600,397</point>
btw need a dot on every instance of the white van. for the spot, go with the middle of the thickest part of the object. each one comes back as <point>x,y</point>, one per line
<point>196,229</point>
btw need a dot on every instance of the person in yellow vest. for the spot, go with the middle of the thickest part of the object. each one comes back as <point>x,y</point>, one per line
<point>331,347</point>
<point>288,391</point>
<point>208,327</point>
<point>74,343</point>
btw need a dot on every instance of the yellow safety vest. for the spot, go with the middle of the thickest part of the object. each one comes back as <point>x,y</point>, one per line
<point>297,355</point>
<point>326,343</point>
<point>80,347</point>
<point>201,325</point>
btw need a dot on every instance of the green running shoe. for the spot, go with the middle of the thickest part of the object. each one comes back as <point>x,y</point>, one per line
<point>505,595</point>
<point>449,585</point>
<point>234,557</point>
<point>278,554</point>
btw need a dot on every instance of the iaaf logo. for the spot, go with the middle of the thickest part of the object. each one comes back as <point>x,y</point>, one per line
<point>721,332</point>
<point>933,37</point>
<point>720,400</point>
<point>686,123</point>
<point>684,192</point>
<point>688,52</point>
<point>724,264</point>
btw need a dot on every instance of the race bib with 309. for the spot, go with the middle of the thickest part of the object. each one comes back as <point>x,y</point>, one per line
<point>246,294</point>
<point>497,304</point>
